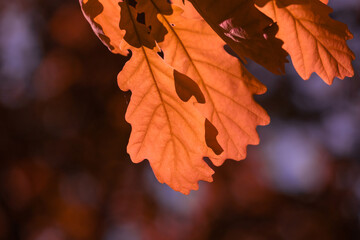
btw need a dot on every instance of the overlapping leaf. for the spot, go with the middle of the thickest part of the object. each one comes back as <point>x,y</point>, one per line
<point>245,29</point>
<point>315,42</point>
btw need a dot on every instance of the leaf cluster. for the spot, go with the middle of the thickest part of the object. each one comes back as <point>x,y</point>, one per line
<point>190,98</point>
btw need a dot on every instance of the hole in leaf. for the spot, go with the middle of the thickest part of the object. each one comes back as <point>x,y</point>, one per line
<point>173,25</point>
<point>210,137</point>
<point>186,87</point>
<point>140,18</point>
<point>132,3</point>
<point>270,31</point>
<point>161,54</point>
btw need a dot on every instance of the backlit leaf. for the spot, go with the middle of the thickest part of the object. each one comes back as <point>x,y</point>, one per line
<point>168,132</point>
<point>227,86</point>
<point>315,42</point>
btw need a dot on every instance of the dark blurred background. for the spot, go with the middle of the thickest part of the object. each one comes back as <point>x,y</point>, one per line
<point>65,173</point>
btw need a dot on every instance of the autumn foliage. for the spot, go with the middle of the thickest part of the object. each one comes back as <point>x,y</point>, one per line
<point>190,98</point>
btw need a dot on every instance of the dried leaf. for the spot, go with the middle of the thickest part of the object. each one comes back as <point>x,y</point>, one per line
<point>195,50</point>
<point>165,130</point>
<point>315,42</point>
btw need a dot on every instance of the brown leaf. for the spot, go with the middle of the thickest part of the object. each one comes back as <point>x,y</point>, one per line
<point>245,29</point>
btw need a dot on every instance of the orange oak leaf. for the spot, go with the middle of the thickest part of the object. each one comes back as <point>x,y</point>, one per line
<point>194,49</point>
<point>167,129</point>
<point>246,30</point>
<point>315,42</point>
<point>168,132</point>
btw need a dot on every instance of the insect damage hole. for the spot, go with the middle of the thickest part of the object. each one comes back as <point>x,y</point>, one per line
<point>161,54</point>
<point>186,88</point>
<point>210,137</point>
<point>132,3</point>
<point>140,18</point>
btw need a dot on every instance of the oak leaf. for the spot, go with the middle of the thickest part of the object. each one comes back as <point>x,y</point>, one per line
<point>194,49</point>
<point>315,42</point>
<point>168,132</point>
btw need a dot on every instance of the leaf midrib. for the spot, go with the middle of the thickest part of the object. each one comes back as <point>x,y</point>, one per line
<point>152,76</point>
